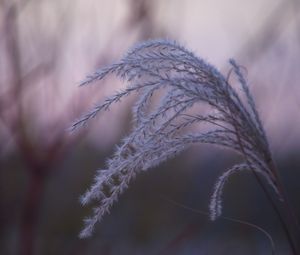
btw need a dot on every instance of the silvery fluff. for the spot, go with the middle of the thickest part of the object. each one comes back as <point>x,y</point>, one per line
<point>162,130</point>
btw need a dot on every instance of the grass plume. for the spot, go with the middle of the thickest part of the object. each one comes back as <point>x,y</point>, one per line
<point>182,80</point>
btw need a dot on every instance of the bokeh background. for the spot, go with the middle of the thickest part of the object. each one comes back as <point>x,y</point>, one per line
<point>48,46</point>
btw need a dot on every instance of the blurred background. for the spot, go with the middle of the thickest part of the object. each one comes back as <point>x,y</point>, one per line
<point>48,46</point>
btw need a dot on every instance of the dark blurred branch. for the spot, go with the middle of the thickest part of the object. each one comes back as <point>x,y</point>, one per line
<point>32,201</point>
<point>39,157</point>
<point>185,234</point>
<point>142,15</point>
<point>29,79</point>
<point>29,216</point>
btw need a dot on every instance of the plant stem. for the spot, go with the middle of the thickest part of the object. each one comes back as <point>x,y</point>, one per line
<point>291,219</point>
<point>291,235</point>
<point>286,229</point>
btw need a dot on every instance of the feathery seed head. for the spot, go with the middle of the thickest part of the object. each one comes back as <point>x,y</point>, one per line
<point>160,132</point>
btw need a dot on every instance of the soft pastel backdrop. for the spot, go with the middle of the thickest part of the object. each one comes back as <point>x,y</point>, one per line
<point>48,46</point>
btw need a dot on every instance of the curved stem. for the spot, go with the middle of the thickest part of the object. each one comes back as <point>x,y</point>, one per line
<point>283,223</point>
<point>228,219</point>
<point>291,237</point>
<point>291,219</point>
